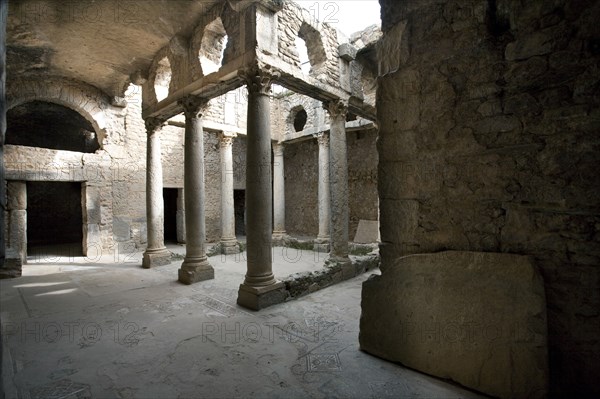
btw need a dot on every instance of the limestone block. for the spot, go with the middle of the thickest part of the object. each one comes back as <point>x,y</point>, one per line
<point>367,231</point>
<point>347,51</point>
<point>476,318</point>
<point>91,238</point>
<point>17,238</point>
<point>121,229</point>
<point>16,195</point>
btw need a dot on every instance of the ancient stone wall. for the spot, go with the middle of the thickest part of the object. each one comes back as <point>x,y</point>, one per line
<point>239,163</point>
<point>321,42</point>
<point>301,183</point>
<point>363,199</point>
<point>489,119</point>
<point>301,162</point>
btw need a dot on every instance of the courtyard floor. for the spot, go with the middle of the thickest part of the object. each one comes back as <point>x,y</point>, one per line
<point>103,327</point>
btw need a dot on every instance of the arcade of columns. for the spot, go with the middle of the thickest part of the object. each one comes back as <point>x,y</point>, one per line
<point>264,202</point>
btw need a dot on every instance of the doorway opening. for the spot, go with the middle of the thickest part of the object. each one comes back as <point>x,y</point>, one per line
<point>54,219</point>
<point>170,203</point>
<point>239,206</point>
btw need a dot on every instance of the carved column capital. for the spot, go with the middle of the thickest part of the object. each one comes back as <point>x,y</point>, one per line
<point>322,138</point>
<point>153,124</point>
<point>226,141</point>
<point>278,149</point>
<point>258,80</point>
<point>193,106</point>
<point>336,108</point>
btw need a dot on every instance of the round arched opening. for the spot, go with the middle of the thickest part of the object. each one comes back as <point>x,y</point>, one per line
<point>162,80</point>
<point>49,125</point>
<point>300,120</point>
<point>212,47</point>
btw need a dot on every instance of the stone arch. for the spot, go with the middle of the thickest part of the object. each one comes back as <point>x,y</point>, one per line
<point>86,100</point>
<point>212,46</point>
<point>314,46</point>
<point>320,39</point>
<point>162,79</point>
<point>161,75</point>
<point>221,26</point>
<point>297,118</point>
<point>63,128</point>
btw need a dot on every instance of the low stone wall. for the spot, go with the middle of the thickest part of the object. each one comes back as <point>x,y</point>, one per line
<point>300,284</point>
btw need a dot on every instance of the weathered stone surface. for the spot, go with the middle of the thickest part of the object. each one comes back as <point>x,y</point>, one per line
<point>367,231</point>
<point>501,160</point>
<point>476,318</point>
<point>257,298</point>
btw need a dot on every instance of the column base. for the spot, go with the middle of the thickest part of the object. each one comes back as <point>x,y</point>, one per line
<point>13,265</point>
<point>229,247</point>
<point>257,298</point>
<point>344,265</point>
<point>156,257</point>
<point>321,245</point>
<point>278,238</point>
<point>195,270</point>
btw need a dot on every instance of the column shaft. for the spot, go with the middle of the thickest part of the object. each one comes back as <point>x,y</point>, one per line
<point>195,266</point>
<point>17,219</point>
<point>229,244</point>
<point>338,180</point>
<point>322,241</point>
<point>156,253</point>
<point>278,193</point>
<point>260,289</point>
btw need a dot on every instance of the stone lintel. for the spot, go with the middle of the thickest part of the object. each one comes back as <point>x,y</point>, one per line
<point>156,257</point>
<point>257,298</point>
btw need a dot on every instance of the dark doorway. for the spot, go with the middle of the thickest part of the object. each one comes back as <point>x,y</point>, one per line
<point>239,204</point>
<point>170,199</point>
<point>54,216</point>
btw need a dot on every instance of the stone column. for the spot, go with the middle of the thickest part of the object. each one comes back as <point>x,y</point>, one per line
<point>10,266</point>
<point>229,244</point>
<point>322,241</point>
<point>260,289</point>
<point>156,253</point>
<point>180,216</point>
<point>195,266</point>
<point>17,219</point>
<point>338,180</point>
<point>279,233</point>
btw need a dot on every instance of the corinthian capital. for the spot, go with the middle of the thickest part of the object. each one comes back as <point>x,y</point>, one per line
<point>278,149</point>
<point>322,138</point>
<point>258,79</point>
<point>193,106</point>
<point>153,124</point>
<point>226,141</point>
<point>336,108</point>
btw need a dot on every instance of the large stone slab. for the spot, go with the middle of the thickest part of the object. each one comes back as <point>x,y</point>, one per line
<point>367,231</point>
<point>476,318</point>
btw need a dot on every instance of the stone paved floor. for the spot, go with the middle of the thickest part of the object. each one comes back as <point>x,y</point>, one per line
<point>93,328</point>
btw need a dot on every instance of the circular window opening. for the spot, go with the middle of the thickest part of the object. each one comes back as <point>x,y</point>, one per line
<point>300,120</point>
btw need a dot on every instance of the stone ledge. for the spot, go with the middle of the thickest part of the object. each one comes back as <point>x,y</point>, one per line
<point>476,318</point>
<point>300,284</point>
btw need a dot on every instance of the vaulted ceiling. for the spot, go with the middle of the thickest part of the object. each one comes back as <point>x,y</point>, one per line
<point>99,42</point>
